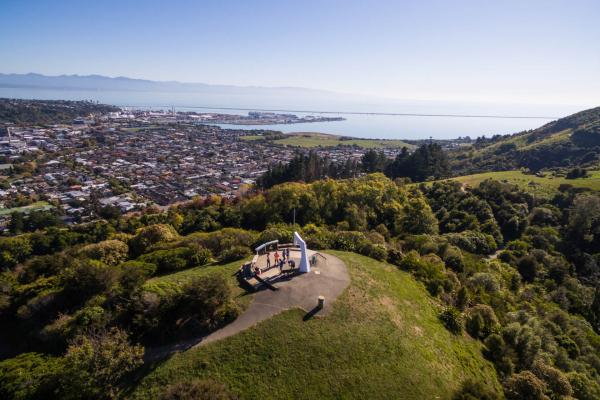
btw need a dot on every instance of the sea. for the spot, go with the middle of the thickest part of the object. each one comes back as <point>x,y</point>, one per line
<point>364,117</point>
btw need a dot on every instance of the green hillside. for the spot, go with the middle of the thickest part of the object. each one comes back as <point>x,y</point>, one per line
<point>382,340</point>
<point>566,142</point>
<point>543,186</point>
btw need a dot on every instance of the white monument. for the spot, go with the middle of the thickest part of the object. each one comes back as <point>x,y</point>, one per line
<point>304,264</point>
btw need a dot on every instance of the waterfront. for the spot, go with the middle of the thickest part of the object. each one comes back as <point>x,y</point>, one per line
<point>356,125</point>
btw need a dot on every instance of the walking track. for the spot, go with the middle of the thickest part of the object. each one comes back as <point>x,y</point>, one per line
<point>328,278</point>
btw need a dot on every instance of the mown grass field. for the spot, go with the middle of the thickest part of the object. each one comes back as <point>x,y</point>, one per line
<point>314,139</point>
<point>34,206</point>
<point>382,340</point>
<point>540,186</point>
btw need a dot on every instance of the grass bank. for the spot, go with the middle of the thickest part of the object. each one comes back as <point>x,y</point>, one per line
<point>382,340</point>
<point>544,186</point>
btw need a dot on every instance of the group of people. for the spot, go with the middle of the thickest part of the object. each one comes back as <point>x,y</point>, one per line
<point>280,260</point>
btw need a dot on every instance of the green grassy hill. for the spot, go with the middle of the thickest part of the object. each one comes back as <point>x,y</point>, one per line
<point>566,142</point>
<point>315,139</point>
<point>382,340</point>
<point>542,186</point>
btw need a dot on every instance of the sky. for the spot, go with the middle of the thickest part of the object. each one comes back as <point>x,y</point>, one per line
<point>525,51</point>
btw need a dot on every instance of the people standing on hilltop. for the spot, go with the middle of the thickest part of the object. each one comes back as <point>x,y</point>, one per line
<point>276,257</point>
<point>268,259</point>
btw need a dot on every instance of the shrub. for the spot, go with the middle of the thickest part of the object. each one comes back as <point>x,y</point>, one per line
<point>349,241</point>
<point>452,320</point>
<point>525,386</point>
<point>317,237</point>
<point>282,232</point>
<point>462,298</point>
<point>111,252</point>
<point>427,269</point>
<point>14,250</point>
<point>473,242</point>
<point>496,351</point>
<point>474,390</point>
<point>424,244</point>
<point>376,251</point>
<point>576,173</point>
<point>223,239</point>
<point>29,376</point>
<point>134,274</point>
<point>418,218</point>
<point>395,256</point>
<point>150,235</point>
<point>87,278</point>
<point>95,364</point>
<point>197,389</point>
<point>583,387</point>
<point>485,281</point>
<point>528,268</point>
<point>556,381</point>
<point>199,255</point>
<point>234,253</point>
<point>454,259</point>
<point>203,298</point>
<point>481,321</point>
<point>174,259</point>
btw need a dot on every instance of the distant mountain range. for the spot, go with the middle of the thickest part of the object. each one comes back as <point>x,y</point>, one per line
<point>103,83</point>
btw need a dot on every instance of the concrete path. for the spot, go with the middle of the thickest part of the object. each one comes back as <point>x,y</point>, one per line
<point>327,278</point>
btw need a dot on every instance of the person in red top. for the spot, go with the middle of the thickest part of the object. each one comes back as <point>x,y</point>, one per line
<point>276,257</point>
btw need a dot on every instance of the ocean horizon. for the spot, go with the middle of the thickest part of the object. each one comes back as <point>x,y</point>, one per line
<point>469,117</point>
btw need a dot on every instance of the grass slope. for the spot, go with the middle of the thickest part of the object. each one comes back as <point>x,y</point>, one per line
<point>545,186</point>
<point>382,340</point>
<point>314,139</point>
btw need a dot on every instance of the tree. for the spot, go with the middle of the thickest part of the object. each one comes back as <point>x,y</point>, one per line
<point>418,218</point>
<point>595,310</point>
<point>429,161</point>
<point>29,376</point>
<point>203,297</point>
<point>557,382</point>
<point>452,320</point>
<point>96,364</point>
<point>17,224</point>
<point>111,252</point>
<point>525,386</point>
<point>528,268</point>
<point>87,278</point>
<point>150,235</point>
<point>481,321</point>
<point>374,161</point>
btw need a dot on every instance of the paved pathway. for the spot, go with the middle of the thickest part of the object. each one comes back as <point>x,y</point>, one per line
<point>328,278</point>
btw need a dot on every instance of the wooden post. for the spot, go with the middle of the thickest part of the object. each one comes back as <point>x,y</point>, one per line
<point>321,301</point>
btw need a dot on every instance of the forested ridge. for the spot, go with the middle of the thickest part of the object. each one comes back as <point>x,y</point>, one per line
<point>44,112</point>
<point>573,141</point>
<point>517,273</point>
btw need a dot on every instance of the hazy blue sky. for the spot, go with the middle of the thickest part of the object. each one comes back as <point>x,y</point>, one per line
<point>518,51</point>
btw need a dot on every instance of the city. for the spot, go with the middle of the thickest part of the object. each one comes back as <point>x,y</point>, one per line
<point>131,159</point>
